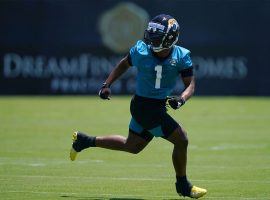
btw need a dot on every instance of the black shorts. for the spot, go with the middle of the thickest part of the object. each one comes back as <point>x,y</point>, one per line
<point>150,117</point>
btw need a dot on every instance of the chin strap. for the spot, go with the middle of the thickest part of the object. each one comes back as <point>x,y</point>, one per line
<point>158,49</point>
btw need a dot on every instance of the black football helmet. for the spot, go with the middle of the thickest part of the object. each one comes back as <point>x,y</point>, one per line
<point>162,32</point>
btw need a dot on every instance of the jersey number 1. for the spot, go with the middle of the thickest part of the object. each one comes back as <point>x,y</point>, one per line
<point>158,69</point>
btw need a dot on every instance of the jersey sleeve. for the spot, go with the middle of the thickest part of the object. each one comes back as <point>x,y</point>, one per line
<point>187,68</point>
<point>129,59</point>
<point>187,62</point>
<point>136,53</point>
<point>183,58</point>
<point>132,55</point>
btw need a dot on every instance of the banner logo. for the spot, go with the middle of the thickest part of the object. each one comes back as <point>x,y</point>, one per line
<point>122,26</point>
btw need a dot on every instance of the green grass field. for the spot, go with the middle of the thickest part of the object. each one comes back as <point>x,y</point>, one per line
<point>229,152</point>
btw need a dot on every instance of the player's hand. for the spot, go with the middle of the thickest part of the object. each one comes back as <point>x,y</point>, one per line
<point>175,102</point>
<point>104,92</point>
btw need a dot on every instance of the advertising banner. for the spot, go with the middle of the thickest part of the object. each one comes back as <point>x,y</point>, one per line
<point>55,47</point>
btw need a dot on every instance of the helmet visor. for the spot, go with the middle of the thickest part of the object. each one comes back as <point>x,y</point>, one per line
<point>155,39</point>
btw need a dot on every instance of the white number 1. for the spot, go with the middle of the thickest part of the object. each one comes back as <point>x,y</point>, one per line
<point>158,68</point>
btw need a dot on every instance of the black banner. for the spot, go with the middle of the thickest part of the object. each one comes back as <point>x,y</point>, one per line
<point>70,47</point>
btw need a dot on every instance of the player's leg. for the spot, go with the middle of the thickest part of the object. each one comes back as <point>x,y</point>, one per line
<point>178,137</point>
<point>134,143</point>
<point>179,156</point>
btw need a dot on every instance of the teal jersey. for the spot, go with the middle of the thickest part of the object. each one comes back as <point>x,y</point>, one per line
<point>156,78</point>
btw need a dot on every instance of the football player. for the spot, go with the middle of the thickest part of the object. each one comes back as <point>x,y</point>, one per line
<point>159,62</point>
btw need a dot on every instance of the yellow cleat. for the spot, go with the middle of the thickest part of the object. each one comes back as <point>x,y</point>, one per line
<point>197,192</point>
<point>81,141</point>
<point>73,153</point>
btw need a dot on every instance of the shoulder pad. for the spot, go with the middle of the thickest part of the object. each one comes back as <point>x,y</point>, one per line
<point>181,51</point>
<point>142,48</point>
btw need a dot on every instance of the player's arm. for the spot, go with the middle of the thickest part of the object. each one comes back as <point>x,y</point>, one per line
<point>189,83</point>
<point>120,68</point>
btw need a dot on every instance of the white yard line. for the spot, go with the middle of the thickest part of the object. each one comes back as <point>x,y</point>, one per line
<point>48,162</point>
<point>226,146</point>
<point>89,178</point>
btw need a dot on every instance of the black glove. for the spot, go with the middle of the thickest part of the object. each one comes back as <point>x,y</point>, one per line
<point>175,102</point>
<point>105,91</point>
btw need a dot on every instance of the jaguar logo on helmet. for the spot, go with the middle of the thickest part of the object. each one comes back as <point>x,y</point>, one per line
<point>172,24</point>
